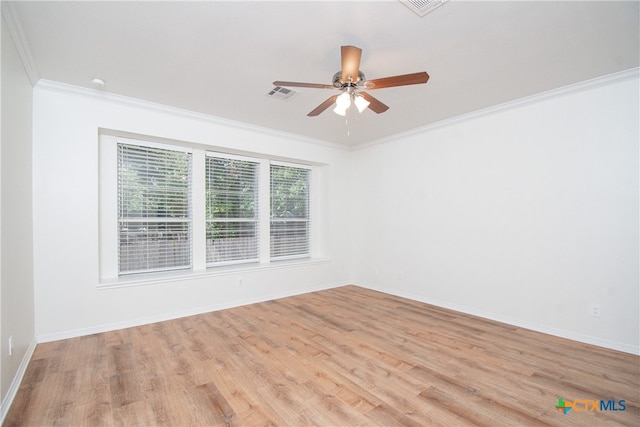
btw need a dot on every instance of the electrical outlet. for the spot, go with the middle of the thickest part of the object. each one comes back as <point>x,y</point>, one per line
<point>595,310</point>
<point>11,345</point>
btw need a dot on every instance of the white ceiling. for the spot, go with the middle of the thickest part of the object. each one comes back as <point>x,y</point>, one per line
<point>220,58</point>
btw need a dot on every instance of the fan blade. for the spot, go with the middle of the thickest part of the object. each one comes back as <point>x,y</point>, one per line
<point>374,104</point>
<point>403,80</point>
<point>350,63</point>
<point>310,85</point>
<point>320,108</point>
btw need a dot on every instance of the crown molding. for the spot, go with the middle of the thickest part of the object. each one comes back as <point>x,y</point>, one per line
<point>167,109</point>
<point>19,40</point>
<point>632,73</point>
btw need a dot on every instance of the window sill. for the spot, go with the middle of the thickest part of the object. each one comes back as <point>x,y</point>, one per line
<point>178,276</point>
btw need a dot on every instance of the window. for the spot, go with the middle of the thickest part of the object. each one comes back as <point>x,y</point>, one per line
<point>289,212</point>
<point>154,209</point>
<point>232,210</point>
<point>173,206</point>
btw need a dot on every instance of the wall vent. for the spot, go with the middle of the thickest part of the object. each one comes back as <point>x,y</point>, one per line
<point>282,93</point>
<point>422,7</point>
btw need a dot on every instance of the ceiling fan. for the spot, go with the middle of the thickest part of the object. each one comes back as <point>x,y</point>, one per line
<point>351,82</point>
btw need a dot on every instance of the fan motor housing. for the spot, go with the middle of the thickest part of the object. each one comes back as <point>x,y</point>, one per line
<point>337,80</point>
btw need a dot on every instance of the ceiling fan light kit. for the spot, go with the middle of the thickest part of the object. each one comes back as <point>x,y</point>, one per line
<point>353,84</point>
<point>344,101</point>
<point>360,102</point>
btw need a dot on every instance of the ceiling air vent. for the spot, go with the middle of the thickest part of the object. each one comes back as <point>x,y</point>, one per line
<point>422,7</point>
<point>282,93</point>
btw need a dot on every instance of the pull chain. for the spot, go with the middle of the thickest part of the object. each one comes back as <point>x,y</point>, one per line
<point>346,122</point>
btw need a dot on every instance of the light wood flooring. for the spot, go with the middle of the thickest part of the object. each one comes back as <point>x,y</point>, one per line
<point>340,357</point>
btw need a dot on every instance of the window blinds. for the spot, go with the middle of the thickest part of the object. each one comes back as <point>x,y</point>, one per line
<point>154,209</point>
<point>232,210</point>
<point>289,212</point>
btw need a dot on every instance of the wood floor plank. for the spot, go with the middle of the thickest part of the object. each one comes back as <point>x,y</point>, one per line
<point>346,356</point>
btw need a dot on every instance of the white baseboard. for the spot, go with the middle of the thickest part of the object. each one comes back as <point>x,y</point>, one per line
<point>17,380</point>
<point>562,333</point>
<point>40,338</point>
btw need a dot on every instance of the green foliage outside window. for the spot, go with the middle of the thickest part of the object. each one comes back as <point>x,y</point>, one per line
<point>231,194</point>
<point>153,183</point>
<point>289,192</point>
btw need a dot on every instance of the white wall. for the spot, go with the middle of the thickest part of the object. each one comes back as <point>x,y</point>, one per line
<point>65,199</point>
<point>527,214</point>
<point>16,278</point>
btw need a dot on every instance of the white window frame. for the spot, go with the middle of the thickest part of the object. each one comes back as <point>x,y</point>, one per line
<point>260,166</point>
<point>108,215</point>
<point>146,218</point>
<point>309,210</point>
<point>108,193</point>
